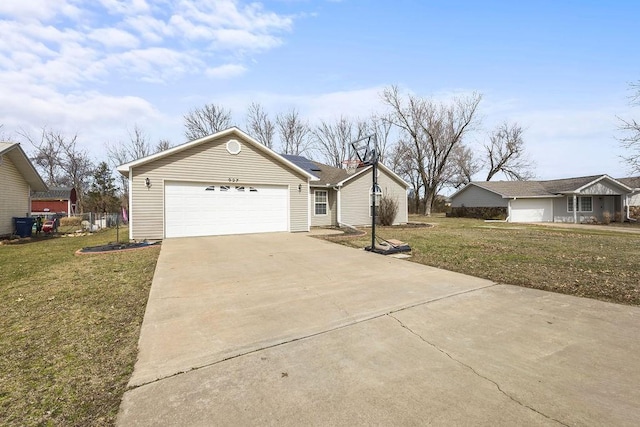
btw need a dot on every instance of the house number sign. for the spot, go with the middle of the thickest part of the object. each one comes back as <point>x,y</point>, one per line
<point>234,179</point>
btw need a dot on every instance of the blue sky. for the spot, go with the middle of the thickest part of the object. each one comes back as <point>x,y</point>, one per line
<point>98,67</point>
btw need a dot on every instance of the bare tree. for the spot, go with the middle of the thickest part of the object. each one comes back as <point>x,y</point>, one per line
<point>463,167</point>
<point>162,145</point>
<point>332,140</point>
<point>505,153</point>
<point>402,161</point>
<point>433,129</point>
<point>260,125</point>
<point>3,135</point>
<point>209,119</point>
<point>47,157</point>
<point>77,165</point>
<point>294,132</point>
<point>631,128</point>
<point>137,147</point>
<point>382,125</point>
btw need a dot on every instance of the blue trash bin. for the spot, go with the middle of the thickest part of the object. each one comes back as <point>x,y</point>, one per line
<point>23,226</point>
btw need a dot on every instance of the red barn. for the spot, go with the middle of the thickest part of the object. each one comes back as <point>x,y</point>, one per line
<point>58,200</point>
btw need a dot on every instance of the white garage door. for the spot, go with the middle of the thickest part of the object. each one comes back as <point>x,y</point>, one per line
<point>531,210</point>
<point>197,209</point>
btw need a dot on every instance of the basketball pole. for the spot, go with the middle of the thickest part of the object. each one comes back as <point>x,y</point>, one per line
<point>374,187</point>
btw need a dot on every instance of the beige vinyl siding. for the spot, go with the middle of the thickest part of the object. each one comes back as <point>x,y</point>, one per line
<point>14,195</point>
<point>210,162</point>
<point>355,198</point>
<point>474,196</point>
<point>331,217</point>
<point>390,187</point>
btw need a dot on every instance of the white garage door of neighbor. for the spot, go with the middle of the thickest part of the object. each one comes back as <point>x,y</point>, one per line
<point>198,209</point>
<point>531,210</point>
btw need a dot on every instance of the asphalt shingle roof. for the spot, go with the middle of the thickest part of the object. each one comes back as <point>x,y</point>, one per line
<point>328,175</point>
<point>633,181</point>
<point>542,188</point>
<point>53,193</point>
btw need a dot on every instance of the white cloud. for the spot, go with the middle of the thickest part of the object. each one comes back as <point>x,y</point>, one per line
<point>226,71</point>
<point>37,9</point>
<point>58,59</point>
<point>63,32</point>
<point>126,7</point>
<point>114,38</point>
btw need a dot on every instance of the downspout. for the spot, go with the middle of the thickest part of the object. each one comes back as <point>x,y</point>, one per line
<point>309,206</point>
<point>338,206</point>
<point>130,185</point>
<point>575,209</point>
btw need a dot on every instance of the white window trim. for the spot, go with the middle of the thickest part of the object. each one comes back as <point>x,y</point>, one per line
<point>579,203</point>
<point>316,203</point>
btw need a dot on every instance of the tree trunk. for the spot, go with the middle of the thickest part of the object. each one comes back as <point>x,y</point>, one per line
<point>428,201</point>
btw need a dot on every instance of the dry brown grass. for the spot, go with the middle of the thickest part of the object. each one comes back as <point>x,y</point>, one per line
<point>69,329</point>
<point>600,264</point>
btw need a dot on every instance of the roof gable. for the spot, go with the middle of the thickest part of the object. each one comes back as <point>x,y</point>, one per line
<point>19,158</point>
<point>126,167</point>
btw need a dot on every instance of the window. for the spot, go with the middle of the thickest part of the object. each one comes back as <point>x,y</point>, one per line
<point>374,197</point>
<point>224,188</point>
<point>210,188</point>
<point>585,203</point>
<point>320,202</point>
<point>239,188</point>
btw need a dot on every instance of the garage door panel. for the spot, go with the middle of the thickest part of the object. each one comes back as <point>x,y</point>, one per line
<point>192,210</point>
<point>531,210</point>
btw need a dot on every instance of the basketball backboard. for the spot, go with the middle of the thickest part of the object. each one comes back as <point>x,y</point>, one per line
<point>365,149</point>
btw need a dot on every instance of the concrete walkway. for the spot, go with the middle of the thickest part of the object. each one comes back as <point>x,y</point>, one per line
<point>285,329</point>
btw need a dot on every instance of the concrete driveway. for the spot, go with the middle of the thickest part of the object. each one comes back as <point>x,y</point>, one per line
<point>285,329</point>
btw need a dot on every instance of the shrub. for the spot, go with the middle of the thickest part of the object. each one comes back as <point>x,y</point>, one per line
<point>387,210</point>
<point>492,212</point>
<point>606,217</point>
<point>70,221</point>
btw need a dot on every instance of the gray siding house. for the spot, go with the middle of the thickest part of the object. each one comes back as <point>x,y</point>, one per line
<point>229,183</point>
<point>576,200</point>
<point>18,179</point>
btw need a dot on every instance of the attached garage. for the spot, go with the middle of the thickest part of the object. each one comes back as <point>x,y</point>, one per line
<point>531,210</point>
<point>197,209</point>
<point>225,183</point>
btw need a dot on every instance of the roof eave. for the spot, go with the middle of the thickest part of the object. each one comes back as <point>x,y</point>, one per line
<point>26,168</point>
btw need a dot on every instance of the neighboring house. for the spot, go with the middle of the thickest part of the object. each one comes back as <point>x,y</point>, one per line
<point>18,178</point>
<point>229,183</point>
<point>338,198</point>
<point>57,200</point>
<point>583,199</point>
<point>633,199</point>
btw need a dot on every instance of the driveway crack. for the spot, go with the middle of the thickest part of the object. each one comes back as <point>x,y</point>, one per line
<point>469,367</point>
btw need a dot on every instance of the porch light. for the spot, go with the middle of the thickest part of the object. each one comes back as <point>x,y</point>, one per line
<point>147,182</point>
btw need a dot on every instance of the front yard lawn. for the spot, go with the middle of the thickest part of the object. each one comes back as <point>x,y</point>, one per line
<point>69,329</point>
<point>598,264</point>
